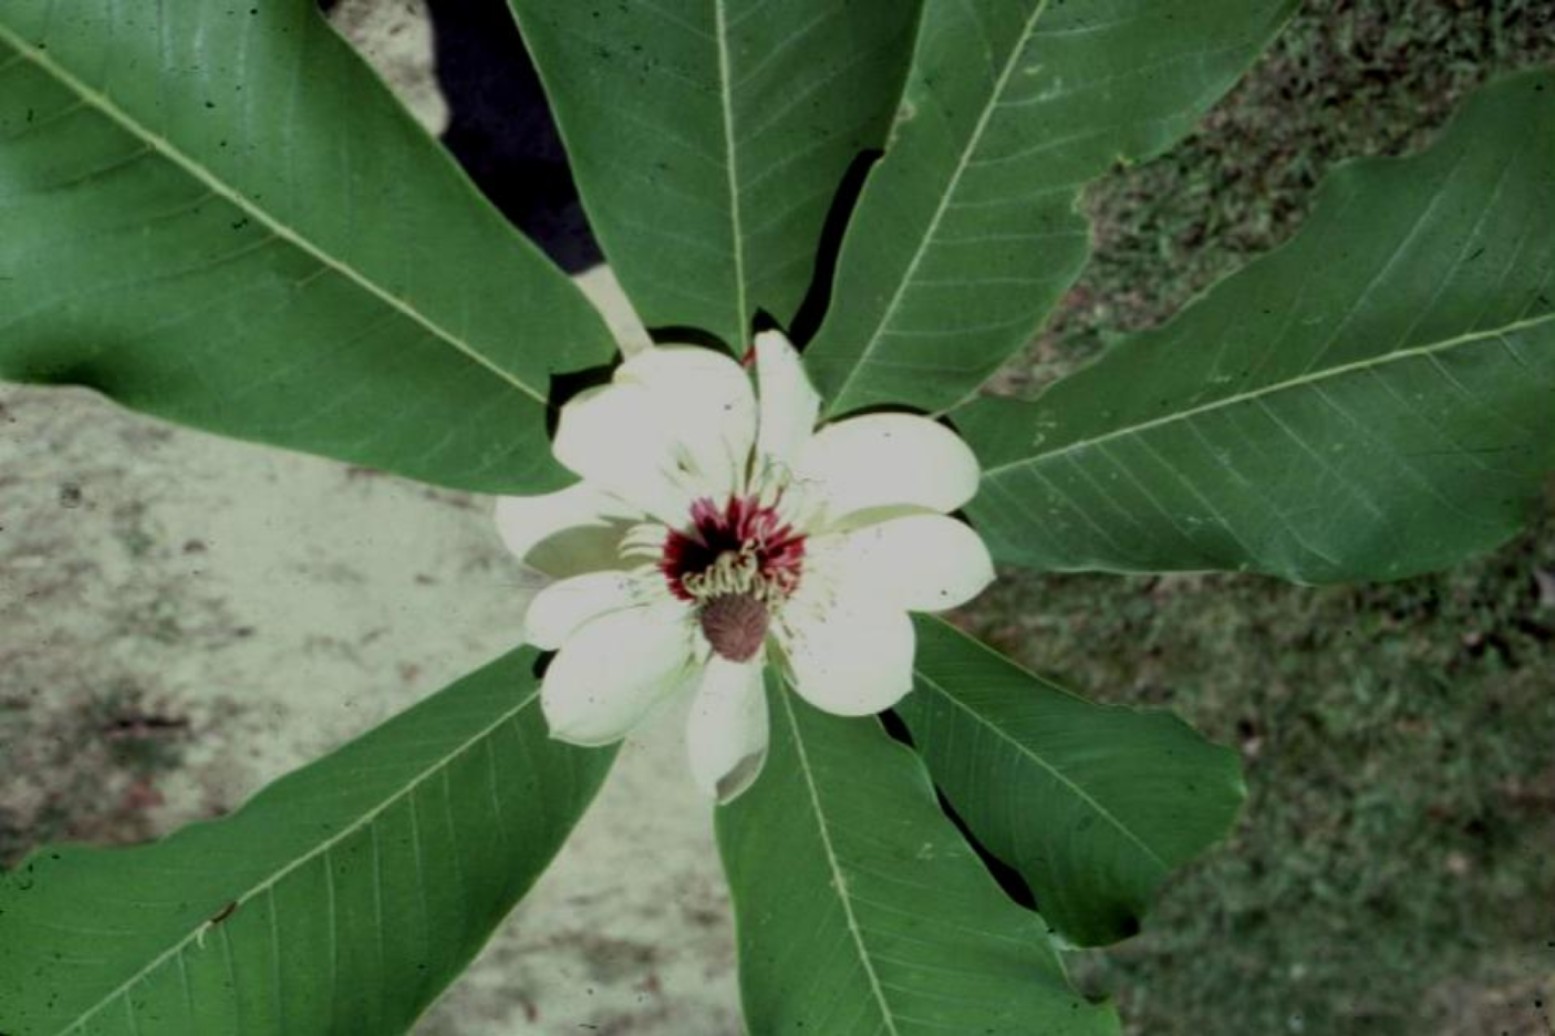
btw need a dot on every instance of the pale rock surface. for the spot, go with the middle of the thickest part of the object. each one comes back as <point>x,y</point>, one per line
<point>282,604</point>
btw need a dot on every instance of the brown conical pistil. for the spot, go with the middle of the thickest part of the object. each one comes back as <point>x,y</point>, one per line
<point>735,625</point>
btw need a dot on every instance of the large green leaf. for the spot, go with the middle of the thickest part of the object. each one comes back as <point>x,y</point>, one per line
<point>1094,805</point>
<point>1373,400</point>
<point>860,909</point>
<point>217,214</point>
<point>340,900</point>
<point>709,138</point>
<point>966,232</point>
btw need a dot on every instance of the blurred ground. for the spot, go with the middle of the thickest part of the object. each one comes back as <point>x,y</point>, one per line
<point>183,618</point>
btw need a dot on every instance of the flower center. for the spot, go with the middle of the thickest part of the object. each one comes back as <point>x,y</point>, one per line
<point>737,563</point>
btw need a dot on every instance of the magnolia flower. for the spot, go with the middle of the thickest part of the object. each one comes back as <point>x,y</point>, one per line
<point>715,532</point>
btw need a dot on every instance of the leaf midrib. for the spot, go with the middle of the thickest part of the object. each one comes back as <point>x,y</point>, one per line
<point>364,821</point>
<point>839,882</point>
<point>1290,384</point>
<point>1057,774</point>
<point>219,187</point>
<point>737,233</point>
<point>974,140</point>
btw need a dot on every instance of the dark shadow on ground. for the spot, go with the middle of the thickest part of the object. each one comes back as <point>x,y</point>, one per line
<point>500,129</point>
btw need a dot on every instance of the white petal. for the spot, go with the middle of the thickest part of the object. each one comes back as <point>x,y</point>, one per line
<point>617,438</point>
<point>613,670</point>
<point>577,529</point>
<point>707,401</point>
<point>789,404</point>
<point>850,655</point>
<point>882,460</point>
<point>726,734</point>
<point>557,611</point>
<point>923,563</point>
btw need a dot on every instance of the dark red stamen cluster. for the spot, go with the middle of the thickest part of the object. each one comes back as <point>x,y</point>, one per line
<point>779,550</point>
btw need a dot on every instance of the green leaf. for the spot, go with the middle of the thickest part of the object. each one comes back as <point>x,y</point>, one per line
<point>217,214</point>
<point>1094,805</point>
<point>1373,400</point>
<point>341,899</point>
<point>966,233</point>
<point>708,139</point>
<point>860,909</point>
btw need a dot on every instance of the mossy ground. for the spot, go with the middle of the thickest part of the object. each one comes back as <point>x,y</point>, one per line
<point>1394,870</point>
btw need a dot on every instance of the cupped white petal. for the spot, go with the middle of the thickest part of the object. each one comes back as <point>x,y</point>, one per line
<point>577,529</point>
<point>789,404</point>
<point>848,654</point>
<point>618,439</point>
<point>726,732</point>
<point>561,608</point>
<point>923,562</point>
<point>885,460</point>
<point>613,670</point>
<point>707,401</point>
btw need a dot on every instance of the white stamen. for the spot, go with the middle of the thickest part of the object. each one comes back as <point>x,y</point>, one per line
<point>734,572</point>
